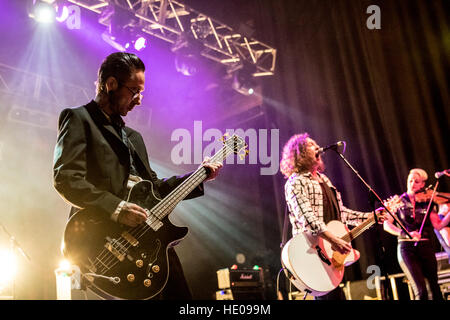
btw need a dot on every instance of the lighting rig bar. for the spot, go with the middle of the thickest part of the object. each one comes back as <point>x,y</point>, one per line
<point>168,20</point>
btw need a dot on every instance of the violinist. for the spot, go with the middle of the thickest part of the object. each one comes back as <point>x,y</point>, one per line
<point>416,256</point>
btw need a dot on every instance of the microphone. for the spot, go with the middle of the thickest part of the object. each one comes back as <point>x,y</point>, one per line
<point>437,175</point>
<point>333,146</point>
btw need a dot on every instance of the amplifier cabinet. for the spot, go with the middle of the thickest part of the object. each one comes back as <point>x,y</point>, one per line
<point>240,278</point>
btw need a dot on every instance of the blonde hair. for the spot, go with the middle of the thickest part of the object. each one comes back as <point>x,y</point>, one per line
<point>420,172</point>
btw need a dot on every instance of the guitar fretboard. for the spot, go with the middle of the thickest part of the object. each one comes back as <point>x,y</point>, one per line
<point>166,206</point>
<point>355,232</point>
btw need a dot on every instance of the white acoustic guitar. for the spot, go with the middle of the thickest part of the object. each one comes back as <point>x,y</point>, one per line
<point>314,266</point>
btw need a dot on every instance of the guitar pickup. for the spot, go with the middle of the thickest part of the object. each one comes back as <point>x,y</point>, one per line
<point>156,225</point>
<point>110,247</point>
<point>130,239</point>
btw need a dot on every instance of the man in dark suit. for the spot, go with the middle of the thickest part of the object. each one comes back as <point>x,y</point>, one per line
<point>96,156</point>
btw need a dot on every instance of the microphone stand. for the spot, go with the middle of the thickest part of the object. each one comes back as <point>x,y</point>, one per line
<point>373,196</point>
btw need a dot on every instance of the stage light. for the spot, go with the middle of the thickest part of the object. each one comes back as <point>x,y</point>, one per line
<point>140,43</point>
<point>63,280</point>
<point>122,25</point>
<point>44,12</point>
<point>8,266</point>
<point>256,267</point>
<point>65,266</point>
<point>187,54</point>
<point>243,79</point>
<point>186,64</point>
<point>114,41</point>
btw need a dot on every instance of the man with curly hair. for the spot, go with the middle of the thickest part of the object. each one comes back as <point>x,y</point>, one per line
<point>312,199</point>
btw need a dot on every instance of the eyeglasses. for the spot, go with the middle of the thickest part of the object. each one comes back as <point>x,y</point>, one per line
<point>135,94</point>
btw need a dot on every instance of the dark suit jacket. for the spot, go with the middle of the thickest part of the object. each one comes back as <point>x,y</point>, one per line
<point>91,163</point>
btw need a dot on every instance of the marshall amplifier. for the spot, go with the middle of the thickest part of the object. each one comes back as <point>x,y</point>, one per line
<point>240,278</point>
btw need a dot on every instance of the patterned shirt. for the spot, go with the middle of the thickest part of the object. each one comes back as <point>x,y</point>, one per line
<point>305,202</point>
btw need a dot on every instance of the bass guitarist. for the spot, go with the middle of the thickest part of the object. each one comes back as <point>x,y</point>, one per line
<point>312,199</point>
<point>97,157</point>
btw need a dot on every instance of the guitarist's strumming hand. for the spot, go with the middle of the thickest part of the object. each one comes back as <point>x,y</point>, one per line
<point>337,244</point>
<point>132,215</point>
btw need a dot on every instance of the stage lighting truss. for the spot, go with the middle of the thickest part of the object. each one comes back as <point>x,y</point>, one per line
<point>168,20</point>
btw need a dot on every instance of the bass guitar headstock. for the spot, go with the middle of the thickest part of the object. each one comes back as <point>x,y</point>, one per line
<point>235,144</point>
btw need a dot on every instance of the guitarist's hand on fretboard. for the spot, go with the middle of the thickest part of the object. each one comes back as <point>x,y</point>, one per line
<point>212,168</point>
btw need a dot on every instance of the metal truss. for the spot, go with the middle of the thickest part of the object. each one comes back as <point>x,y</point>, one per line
<point>168,20</point>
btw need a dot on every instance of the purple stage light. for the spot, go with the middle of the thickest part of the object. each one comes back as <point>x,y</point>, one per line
<point>140,43</point>
<point>44,13</point>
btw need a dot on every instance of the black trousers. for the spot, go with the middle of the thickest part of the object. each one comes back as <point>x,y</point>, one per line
<point>177,287</point>
<point>419,262</point>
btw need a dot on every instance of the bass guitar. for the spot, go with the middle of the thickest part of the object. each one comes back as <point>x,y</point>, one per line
<point>120,262</point>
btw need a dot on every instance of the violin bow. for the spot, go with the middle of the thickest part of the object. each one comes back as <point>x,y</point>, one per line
<point>428,210</point>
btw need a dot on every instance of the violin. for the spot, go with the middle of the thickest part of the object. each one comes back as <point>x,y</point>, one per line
<point>439,197</point>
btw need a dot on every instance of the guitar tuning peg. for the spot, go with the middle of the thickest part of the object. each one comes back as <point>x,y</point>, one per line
<point>226,134</point>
